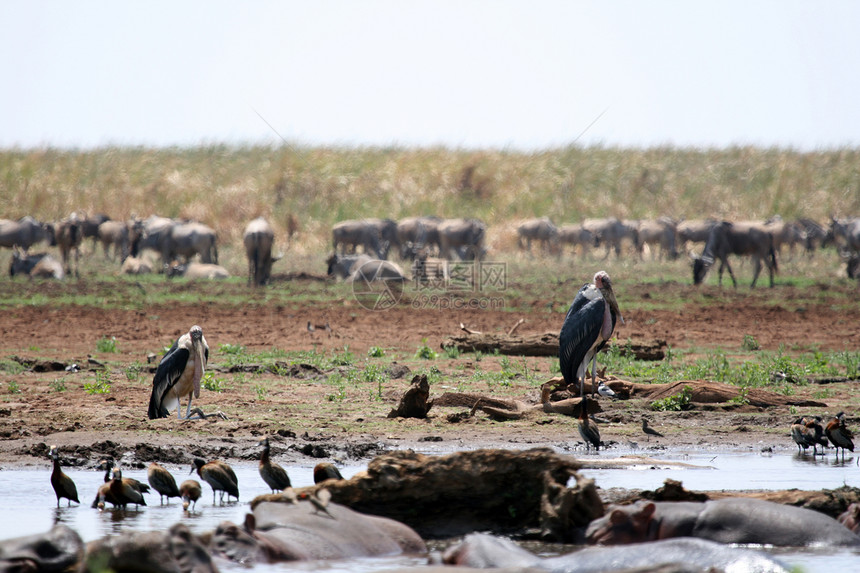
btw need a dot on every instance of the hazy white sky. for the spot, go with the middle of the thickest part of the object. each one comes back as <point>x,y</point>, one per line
<point>461,73</point>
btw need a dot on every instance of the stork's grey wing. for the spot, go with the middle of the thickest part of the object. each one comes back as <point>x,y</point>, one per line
<point>169,370</point>
<point>580,329</point>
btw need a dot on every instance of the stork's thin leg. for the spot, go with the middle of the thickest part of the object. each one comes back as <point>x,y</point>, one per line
<point>593,374</point>
<point>188,410</point>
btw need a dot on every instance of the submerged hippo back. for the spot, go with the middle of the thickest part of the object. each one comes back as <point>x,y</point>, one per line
<point>740,520</point>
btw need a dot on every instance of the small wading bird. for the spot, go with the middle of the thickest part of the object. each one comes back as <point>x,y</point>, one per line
<point>162,481</point>
<point>104,494</point>
<point>220,476</point>
<point>190,491</point>
<point>63,485</point>
<point>839,434</point>
<point>123,492</point>
<point>588,429</point>
<point>649,430</point>
<point>797,430</point>
<point>325,471</point>
<point>274,475</point>
<point>813,435</point>
<point>589,323</point>
<point>178,375</point>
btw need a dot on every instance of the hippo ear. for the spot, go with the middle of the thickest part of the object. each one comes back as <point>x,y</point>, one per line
<point>618,517</point>
<point>250,522</point>
<point>647,511</point>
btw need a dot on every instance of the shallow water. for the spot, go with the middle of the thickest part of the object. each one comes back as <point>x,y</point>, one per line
<point>28,503</point>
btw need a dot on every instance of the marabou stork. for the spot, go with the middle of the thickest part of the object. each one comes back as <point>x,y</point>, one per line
<point>178,375</point>
<point>588,325</point>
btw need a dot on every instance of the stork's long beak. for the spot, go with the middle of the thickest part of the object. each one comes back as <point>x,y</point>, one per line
<point>613,304</point>
<point>199,358</point>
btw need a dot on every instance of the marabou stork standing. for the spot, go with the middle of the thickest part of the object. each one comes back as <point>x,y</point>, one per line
<point>178,375</point>
<point>588,325</point>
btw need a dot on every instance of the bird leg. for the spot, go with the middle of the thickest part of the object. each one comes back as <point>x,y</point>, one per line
<point>188,409</point>
<point>593,374</point>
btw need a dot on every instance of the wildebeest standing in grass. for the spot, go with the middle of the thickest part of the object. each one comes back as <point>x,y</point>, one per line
<point>24,233</point>
<point>741,238</point>
<point>660,232</point>
<point>576,234</point>
<point>350,234</point>
<point>259,239</point>
<point>416,233</point>
<point>68,235</point>
<point>612,232</point>
<point>541,230</point>
<point>90,227</point>
<point>784,233</point>
<point>694,231</point>
<point>463,238</point>
<point>120,235</point>
<point>155,237</point>
<point>846,232</point>
<point>192,238</point>
<point>40,265</point>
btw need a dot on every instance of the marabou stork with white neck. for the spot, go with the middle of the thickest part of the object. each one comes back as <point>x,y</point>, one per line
<point>178,375</point>
<point>589,323</point>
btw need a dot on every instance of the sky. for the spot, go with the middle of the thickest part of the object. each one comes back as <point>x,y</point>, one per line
<point>522,75</point>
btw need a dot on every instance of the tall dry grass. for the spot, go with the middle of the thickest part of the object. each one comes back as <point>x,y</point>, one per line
<point>226,186</point>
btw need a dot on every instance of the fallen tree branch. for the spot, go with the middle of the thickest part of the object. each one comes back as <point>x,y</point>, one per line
<point>545,344</point>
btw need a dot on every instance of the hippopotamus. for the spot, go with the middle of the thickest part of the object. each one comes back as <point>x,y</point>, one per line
<point>730,520</point>
<point>850,518</point>
<point>176,549</point>
<point>60,549</point>
<point>483,551</point>
<point>303,531</point>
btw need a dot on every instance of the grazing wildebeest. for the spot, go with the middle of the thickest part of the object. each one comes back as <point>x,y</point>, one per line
<point>121,235</point>
<point>376,270</point>
<point>414,233</point>
<point>135,266</point>
<point>541,230</point>
<point>194,270</point>
<point>742,238</point>
<point>358,232</point>
<point>462,237</point>
<point>25,232</point>
<point>577,235</point>
<point>68,235</point>
<point>38,265</point>
<point>341,266</point>
<point>90,227</point>
<point>784,233</point>
<point>660,232</point>
<point>192,238</point>
<point>259,239</point>
<point>846,232</point>
<point>694,231</point>
<point>612,232</point>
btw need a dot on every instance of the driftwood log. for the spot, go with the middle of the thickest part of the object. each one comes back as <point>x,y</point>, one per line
<point>503,491</point>
<point>545,344</point>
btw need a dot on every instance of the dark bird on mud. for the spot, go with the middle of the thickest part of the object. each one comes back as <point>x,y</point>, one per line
<point>839,434</point>
<point>588,429</point>
<point>190,491</point>
<point>63,485</point>
<point>649,430</point>
<point>813,434</point>
<point>587,327</point>
<point>124,492</point>
<point>162,481</point>
<point>274,475</point>
<point>325,471</point>
<point>178,375</point>
<point>219,476</point>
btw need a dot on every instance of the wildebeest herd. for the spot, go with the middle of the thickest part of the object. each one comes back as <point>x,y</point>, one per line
<point>190,248</point>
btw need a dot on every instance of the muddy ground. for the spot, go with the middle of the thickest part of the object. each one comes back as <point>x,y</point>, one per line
<point>309,419</point>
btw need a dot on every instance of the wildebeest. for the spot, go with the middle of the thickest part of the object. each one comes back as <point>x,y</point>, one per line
<point>694,231</point>
<point>784,233</point>
<point>341,266</point>
<point>192,238</point>
<point>541,230</point>
<point>741,238</point>
<point>660,232</point>
<point>68,235</point>
<point>612,232</point>
<point>814,235</point>
<point>195,270</point>
<point>37,265</point>
<point>156,237</point>
<point>463,238</point>
<point>577,235</point>
<point>349,235</point>
<point>376,270</point>
<point>259,239</point>
<point>414,233</point>
<point>90,227</point>
<point>120,235</point>
<point>25,232</point>
<point>846,232</point>
<point>135,266</point>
